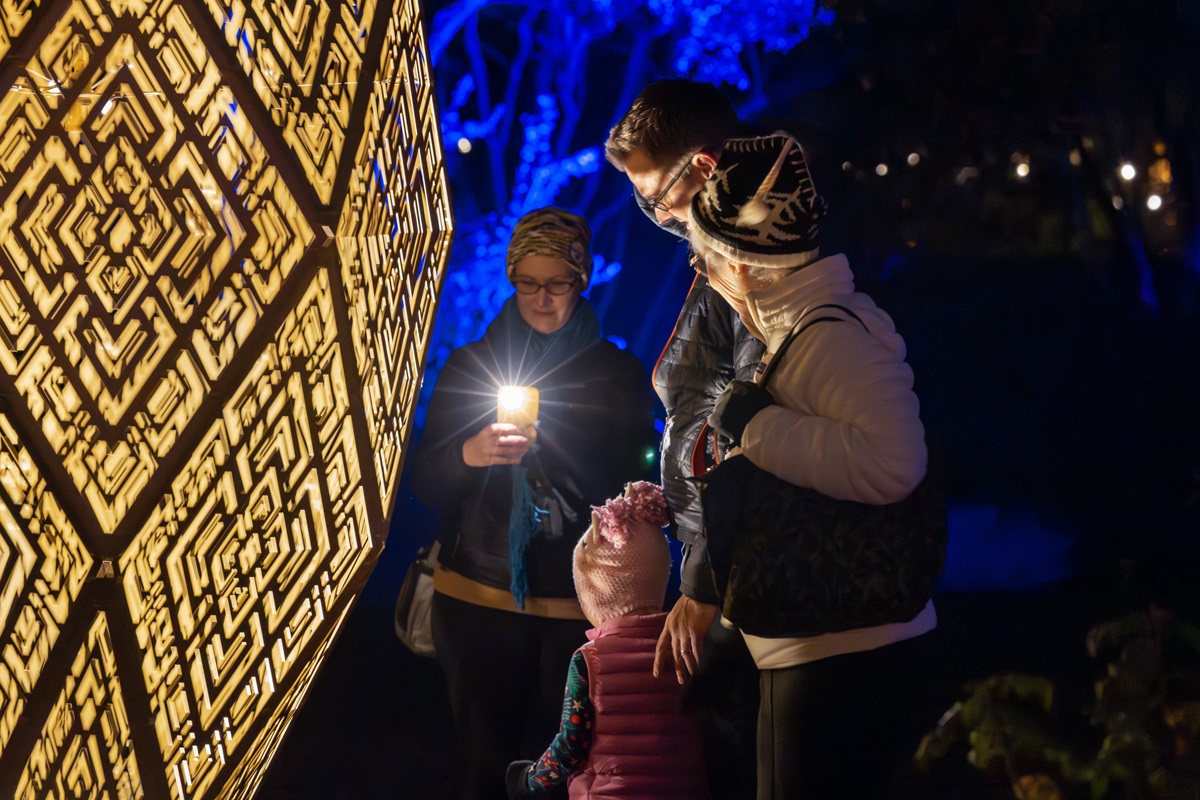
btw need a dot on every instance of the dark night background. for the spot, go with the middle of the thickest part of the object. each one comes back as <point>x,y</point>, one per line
<point>1051,309</point>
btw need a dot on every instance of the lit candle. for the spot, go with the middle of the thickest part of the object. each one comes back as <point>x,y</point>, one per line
<point>518,405</point>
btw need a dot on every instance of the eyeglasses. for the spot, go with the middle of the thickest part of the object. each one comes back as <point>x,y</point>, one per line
<point>557,287</point>
<point>657,203</point>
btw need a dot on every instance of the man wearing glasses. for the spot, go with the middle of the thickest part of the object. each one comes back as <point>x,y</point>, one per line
<point>667,144</point>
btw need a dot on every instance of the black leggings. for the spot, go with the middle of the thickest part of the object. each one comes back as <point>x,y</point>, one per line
<point>506,674</point>
<point>840,727</point>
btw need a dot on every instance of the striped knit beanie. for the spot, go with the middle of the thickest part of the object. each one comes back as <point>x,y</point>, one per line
<point>760,207</point>
<point>551,231</point>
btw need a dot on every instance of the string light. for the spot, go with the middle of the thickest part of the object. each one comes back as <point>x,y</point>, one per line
<point>1021,165</point>
<point>1128,171</point>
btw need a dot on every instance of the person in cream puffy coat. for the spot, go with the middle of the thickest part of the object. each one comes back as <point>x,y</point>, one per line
<point>839,416</point>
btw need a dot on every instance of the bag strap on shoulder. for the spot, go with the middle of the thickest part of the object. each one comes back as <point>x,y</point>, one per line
<point>803,324</point>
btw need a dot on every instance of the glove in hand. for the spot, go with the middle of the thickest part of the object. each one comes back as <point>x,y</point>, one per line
<point>741,401</point>
<point>516,781</point>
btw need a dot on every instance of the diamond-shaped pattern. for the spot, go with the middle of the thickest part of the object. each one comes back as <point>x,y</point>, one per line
<point>203,409</point>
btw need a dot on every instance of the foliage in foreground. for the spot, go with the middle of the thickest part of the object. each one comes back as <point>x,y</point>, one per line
<point>1143,737</point>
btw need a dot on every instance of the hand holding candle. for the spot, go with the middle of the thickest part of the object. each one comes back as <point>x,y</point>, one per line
<point>498,443</point>
<point>507,440</point>
<point>518,405</point>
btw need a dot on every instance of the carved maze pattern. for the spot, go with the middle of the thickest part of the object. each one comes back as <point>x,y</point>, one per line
<point>85,744</point>
<point>43,566</point>
<point>146,235</point>
<point>14,16</point>
<point>202,416</point>
<point>250,772</point>
<point>236,569</point>
<point>394,239</point>
<point>304,59</point>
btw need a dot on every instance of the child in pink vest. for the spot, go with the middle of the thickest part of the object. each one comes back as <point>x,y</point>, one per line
<point>623,734</point>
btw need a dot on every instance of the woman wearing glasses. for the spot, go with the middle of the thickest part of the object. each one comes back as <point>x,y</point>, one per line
<point>505,616</point>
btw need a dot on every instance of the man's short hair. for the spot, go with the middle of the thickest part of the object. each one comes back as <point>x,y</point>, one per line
<point>671,119</point>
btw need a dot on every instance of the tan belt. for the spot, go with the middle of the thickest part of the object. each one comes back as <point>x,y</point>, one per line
<point>463,588</point>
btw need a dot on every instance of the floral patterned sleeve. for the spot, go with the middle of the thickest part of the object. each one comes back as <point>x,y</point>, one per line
<point>567,753</point>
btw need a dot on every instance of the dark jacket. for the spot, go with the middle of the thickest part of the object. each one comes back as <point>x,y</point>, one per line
<point>708,348</point>
<point>595,427</point>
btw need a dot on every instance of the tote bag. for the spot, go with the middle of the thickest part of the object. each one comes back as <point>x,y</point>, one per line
<point>414,605</point>
<point>790,561</point>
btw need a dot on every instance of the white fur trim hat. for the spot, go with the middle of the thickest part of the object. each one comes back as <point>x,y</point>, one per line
<point>760,207</point>
<point>622,562</point>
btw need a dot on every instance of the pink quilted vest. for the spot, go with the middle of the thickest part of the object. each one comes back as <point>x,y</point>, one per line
<point>643,745</point>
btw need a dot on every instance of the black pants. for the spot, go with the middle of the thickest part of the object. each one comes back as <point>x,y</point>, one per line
<point>724,694</point>
<point>506,674</point>
<point>840,727</point>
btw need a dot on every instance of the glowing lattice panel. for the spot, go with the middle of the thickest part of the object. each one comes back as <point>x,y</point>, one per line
<point>261,535</point>
<point>43,566</point>
<point>143,234</point>
<point>304,59</point>
<point>85,748</point>
<point>245,779</point>
<point>14,18</point>
<point>203,408</point>
<point>393,238</point>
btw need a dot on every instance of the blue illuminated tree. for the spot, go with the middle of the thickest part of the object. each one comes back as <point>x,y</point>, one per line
<point>528,91</point>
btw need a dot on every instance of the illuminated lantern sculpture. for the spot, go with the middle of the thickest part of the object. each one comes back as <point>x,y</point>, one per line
<point>223,231</point>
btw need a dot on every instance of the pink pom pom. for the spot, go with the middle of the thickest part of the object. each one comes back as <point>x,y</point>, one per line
<point>642,502</point>
<point>647,502</point>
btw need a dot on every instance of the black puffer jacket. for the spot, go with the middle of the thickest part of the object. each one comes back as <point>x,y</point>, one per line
<point>708,348</point>
<point>595,426</point>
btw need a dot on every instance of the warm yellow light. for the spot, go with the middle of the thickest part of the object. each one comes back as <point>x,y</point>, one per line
<point>1022,170</point>
<point>1160,172</point>
<point>207,403</point>
<point>914,159</point>
<point>881,169</point>
<point>518,405</point>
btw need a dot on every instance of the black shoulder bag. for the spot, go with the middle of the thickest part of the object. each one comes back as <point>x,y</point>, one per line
<point>790,561</point>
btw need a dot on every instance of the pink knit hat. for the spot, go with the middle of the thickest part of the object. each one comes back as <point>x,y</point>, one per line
<point>622,562</point>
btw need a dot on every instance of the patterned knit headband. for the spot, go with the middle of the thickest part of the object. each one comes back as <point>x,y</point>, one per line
<point>760,207</point>
<point>553,232</point>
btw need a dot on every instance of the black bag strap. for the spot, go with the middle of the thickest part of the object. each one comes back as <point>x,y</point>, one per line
<point>801,326</point>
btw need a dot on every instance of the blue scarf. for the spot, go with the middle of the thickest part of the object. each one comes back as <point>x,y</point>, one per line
<point>531,357</point>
